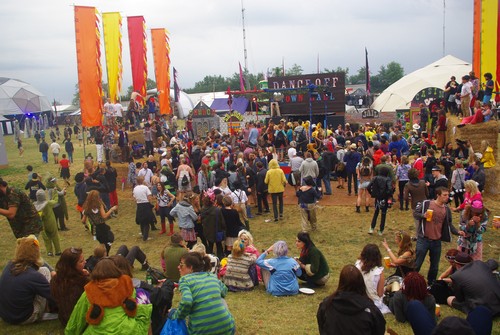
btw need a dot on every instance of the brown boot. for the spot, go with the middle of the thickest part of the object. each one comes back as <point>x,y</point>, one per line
<point>171,230</point>
<point>163,229</point>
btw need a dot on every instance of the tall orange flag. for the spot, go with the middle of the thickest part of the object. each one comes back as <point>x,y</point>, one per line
<point>88,56</point>
<point>161,55</point>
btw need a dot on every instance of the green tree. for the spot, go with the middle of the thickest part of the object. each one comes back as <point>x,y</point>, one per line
<point>386,76</point>
<point>344,70</point>
<point>76,96</point>
<point>211,83</point>
<point>359,78</point>
<point>295,70</point>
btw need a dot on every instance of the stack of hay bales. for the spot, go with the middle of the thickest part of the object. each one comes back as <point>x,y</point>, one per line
<point>475,133</point>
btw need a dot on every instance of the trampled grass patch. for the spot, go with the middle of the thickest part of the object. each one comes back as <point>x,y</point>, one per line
<point>340,236</point>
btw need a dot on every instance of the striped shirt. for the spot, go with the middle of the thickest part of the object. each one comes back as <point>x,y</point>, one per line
<point>202,302</point>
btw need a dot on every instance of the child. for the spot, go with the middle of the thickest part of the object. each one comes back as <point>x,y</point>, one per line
<point>49,233</point>
<point>308,195</point>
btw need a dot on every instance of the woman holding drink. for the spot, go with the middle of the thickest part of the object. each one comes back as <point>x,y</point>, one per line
<point>404,260</point>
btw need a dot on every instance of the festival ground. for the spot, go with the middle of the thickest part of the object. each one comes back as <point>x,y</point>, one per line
<point>341,235</point>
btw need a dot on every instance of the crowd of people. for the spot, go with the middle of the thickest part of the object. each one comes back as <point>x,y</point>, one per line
<point>207,186</point>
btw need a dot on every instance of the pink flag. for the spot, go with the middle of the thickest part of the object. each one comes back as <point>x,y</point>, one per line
<point>242,80</point>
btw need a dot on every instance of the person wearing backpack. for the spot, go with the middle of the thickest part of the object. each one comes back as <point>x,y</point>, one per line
<point>380,188</point>
<point>364,171</point>
<point>300,137</point>
<point>280,142</point>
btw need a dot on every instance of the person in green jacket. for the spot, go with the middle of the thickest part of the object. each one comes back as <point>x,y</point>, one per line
<point>171,256</point>
<point>50,234</point>
<point>276,181</point>
<point>108,305</point>
<point>315,268</point>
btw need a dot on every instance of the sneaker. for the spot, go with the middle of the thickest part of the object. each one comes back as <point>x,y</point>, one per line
<point>50,254</point>
<point>49,316</point>
<point>145,266</point>
<point>275,220</point>
<point>380,232</point>
<point>370,231</point>
<point>258,213</point>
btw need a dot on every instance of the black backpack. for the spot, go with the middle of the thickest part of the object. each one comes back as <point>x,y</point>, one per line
<point>380,187</point>
<point>365,171</point>
<point>280,138</point>
<point>302,136</point>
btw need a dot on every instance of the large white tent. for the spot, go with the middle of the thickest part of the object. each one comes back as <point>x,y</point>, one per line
<point>400,94</point>
<point>18,97</point>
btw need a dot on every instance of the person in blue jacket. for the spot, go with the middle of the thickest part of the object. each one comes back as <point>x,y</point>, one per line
<point>279,274</point>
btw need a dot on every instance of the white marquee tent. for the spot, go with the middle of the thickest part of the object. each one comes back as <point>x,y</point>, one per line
<point>400,94</point>
<point>18,97</point>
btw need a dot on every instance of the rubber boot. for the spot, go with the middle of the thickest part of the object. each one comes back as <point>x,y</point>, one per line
<point>171,230</point>
<point>358,210</point>
<point>247,225</point>
<point>163,228</point>
<point>249,212</point>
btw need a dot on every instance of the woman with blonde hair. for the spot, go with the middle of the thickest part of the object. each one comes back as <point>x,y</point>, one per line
<point>93,209</point>
<point>472,193</point>
<point>404,260</point>
<point>237,277</point>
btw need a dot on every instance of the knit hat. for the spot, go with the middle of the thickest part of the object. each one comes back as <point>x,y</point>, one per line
<point>477,206</point>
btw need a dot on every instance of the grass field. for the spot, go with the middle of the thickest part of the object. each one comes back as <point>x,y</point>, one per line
<point>340,236</point>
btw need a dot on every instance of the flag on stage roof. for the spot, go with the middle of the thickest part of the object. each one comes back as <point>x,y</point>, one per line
<point>111,26</point>
<point>161,56</point>
<point>368,88</point>
<point>88,56</point>
<point>138,48</point>
<point>242,79</point>
<point>177,89</point>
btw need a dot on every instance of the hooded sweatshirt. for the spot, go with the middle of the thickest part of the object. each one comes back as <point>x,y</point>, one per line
<point>418,191</point>
<point>275,178</point>
<point>185,213</point>
<point>309,168</point>
<point>350,313</point>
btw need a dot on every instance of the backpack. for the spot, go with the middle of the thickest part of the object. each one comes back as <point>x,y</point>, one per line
<point>302,136</point>
<point>280,137</point>
<point>365,171</point>
<point>380,187</point>
<point>185,180</point>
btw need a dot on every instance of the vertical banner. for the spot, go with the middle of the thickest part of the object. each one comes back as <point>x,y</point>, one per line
<point>242,79</point>
<point>161,51</point>
<point>489,37</point>
<point>177,89</point>
<point>137,42</point>
<point>88,56</point>
<point>368,86</point>
<point>111,26</point>
<point>476,39</point>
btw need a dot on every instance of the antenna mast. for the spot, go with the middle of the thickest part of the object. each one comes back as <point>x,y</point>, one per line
<point>444,27</point>
<point>244,35</point>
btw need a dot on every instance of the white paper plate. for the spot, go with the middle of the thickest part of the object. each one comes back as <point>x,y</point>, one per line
<point>306,290</point>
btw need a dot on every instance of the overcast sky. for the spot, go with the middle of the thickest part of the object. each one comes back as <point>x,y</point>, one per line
<point>38,39</point>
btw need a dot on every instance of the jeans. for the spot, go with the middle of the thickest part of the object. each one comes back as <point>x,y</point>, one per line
<point>401,185</point>
<point>350,176</point>
<point>45,157</point>
<point>380,205</point>
<point>277,197</point>
<point>262,198</point>
<point>421,321</point>
<point>132,254</point>
<point>326,181</point>
<point>434,248</point>
<point>70,156</point>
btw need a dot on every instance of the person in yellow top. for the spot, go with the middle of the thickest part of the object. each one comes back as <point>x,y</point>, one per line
<point>317,130</point>
<point>369,133</point>
<point>488,158</point>
<point>276,181</point>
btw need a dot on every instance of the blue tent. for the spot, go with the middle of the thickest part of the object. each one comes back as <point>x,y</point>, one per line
<point>240,104</point>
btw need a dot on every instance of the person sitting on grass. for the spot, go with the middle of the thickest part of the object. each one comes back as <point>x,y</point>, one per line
<point>237,276</point>
<point>349,310</point>
<point>314,265</point>
<point>279,274</point>
<point>370,265</point>
<point>25,292</point>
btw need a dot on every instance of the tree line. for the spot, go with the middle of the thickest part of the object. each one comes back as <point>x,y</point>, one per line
<point>386,76</point>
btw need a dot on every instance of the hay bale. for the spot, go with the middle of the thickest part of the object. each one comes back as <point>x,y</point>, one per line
<point>492,185</point>
<point>475,133</point>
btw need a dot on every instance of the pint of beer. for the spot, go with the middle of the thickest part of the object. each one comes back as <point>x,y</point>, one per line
<point>429,214</point>
<point>387,262</point>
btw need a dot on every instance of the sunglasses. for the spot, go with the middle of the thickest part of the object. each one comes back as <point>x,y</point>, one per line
<point>450,258</point>
<point>75,250</point>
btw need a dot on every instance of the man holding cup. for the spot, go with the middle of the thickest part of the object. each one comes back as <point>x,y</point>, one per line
<point>435,225</point>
